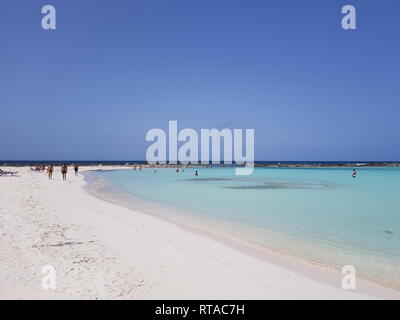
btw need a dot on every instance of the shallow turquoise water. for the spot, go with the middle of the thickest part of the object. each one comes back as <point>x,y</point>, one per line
<point>322,214</point>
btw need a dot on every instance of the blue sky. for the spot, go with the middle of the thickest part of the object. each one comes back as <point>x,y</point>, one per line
<point>112,70</point>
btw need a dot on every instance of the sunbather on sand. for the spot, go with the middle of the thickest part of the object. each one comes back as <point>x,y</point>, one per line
<point>38,168</point>
<point>12,173</point>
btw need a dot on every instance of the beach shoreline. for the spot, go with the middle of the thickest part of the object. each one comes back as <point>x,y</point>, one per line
<point>283,257</point>
<point>61,224</point>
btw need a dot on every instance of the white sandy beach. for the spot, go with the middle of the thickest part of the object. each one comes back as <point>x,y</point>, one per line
<point>103,251</point>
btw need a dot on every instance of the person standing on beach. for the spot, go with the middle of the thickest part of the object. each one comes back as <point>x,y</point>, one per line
<point>76,168</point>
<point>50,171</point>
<point>64,170</point>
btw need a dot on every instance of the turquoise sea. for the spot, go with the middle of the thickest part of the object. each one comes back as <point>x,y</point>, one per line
<point>322,215</point>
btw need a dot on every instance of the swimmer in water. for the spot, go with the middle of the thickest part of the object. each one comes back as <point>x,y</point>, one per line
<point>354,174</point>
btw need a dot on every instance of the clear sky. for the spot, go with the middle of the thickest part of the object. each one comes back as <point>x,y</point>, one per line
<point>112,70</point>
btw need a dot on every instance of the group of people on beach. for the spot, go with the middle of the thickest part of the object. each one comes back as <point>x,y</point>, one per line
<point>64,171</point>
<point>50,170</point>
<point>39,168</point>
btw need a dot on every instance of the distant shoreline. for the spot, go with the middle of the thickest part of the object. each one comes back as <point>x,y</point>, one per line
<point>258,164</point>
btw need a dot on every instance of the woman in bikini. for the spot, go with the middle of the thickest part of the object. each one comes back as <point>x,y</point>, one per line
<point>64,170</point>
<point>50,171</point>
